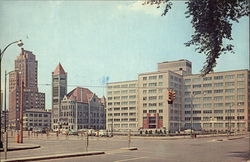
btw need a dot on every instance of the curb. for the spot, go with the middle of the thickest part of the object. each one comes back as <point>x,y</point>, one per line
<point>21,148</point>
<point>129,148</point>
<point>57,156</point>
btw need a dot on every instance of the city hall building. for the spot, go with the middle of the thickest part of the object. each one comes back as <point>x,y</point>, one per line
<point>217,102</point>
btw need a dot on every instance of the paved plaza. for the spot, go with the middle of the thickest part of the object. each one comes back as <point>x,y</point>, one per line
<point>221,149</point>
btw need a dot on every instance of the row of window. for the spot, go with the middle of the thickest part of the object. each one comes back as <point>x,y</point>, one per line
<point>152,104</point>
<point>122,103</point>
<point>215,111</point>
<point>215,98</point>
<point>206,92</point>
<point>218,118</point>
<point>122,97</point>
<point>220,77</point>
<point>121,92</point>
<point>122,86</point>
<point>37,115</point>
<point>121,108</point>
<point>122,119</point>
<point>154,77</point>
<point>227,84</point>
<point>210,105</point>
<point>122,114</point>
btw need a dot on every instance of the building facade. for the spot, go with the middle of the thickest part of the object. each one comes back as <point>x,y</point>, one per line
<point>82,109</point>
<point>59,90</point>
<point>37,120</point>
<point>122,110</point>
<point>220,101</point>
<point>217,102</point>
<point>23,90</point>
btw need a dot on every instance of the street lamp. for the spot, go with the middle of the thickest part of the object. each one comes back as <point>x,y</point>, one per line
<point>19,43</point>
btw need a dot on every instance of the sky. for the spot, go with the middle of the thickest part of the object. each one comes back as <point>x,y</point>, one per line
<point>94,40</point>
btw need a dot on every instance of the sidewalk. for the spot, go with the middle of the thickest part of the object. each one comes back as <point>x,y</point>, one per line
<point>20,146</point>
<point>57,156</point>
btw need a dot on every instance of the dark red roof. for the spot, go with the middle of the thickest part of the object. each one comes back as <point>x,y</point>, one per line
<point>80,94</point>
<point>59,70</point>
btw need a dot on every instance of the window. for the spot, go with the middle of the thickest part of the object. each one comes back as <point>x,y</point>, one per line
<point>229,90</point>
<point>160,76</point>
<point>152,77</point>
<point>218,84</point>
<point>144,78</point>
<point>197,86</point>
<point>132,97</point>
<point>160,83</point>
<point>132,102</point>
<point>207,78</point>
<point>229,77</point>
<point>228,84</point>
<point>208,92</point>
<point>124,97</point>
<point>132,85</point>
<point>218,91</point>
<point>152,111</point>
<point>240,97</point>
<point>117,98</point>
<point>132,108</point>
<point>187,80</point>
<point>207,98</point>
<point>207,105</point>
<point>207,85</point>
<point>240,90</point>
<point>229,97</point>
<point>207,111</point>
<point>218,104</point>
<point>218,98</point>
<point>152,98</point>
<point>152,84</point>
<point>160,111</point>
<point>218,111</point>
<point>240,75</point>
<point>240,110</point>
<point>132,91</point>
<point>240,83</point>
<point>124,108</point>
<point>160,97</point>
<point>144,111</point>
<point>196,79</point>
<point>152,91</point>
<point>124,86</point>
<point>218,77</point>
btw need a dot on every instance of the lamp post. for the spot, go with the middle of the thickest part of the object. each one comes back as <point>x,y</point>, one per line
<point>19,43</point>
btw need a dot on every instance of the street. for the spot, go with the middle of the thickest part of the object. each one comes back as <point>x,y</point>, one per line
<point>212,149</point>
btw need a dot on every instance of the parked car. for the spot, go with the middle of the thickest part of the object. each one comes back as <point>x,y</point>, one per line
<point>73,133</point>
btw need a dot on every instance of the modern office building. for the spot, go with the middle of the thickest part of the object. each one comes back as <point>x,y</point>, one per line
<point>217,102</point>
<point>59,90</point>
<point>36,120</point>
<point>220,101</point>
<point>23,90</point>
<point>122,110</point>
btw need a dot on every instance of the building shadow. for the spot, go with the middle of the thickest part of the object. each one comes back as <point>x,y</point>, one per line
<point>242,154</point>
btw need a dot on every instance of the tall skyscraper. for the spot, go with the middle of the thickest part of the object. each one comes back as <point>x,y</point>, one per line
<point>27,95</point>
<point>59,90</point>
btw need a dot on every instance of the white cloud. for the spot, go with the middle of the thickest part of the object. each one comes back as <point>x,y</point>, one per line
<point>139,7</point>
